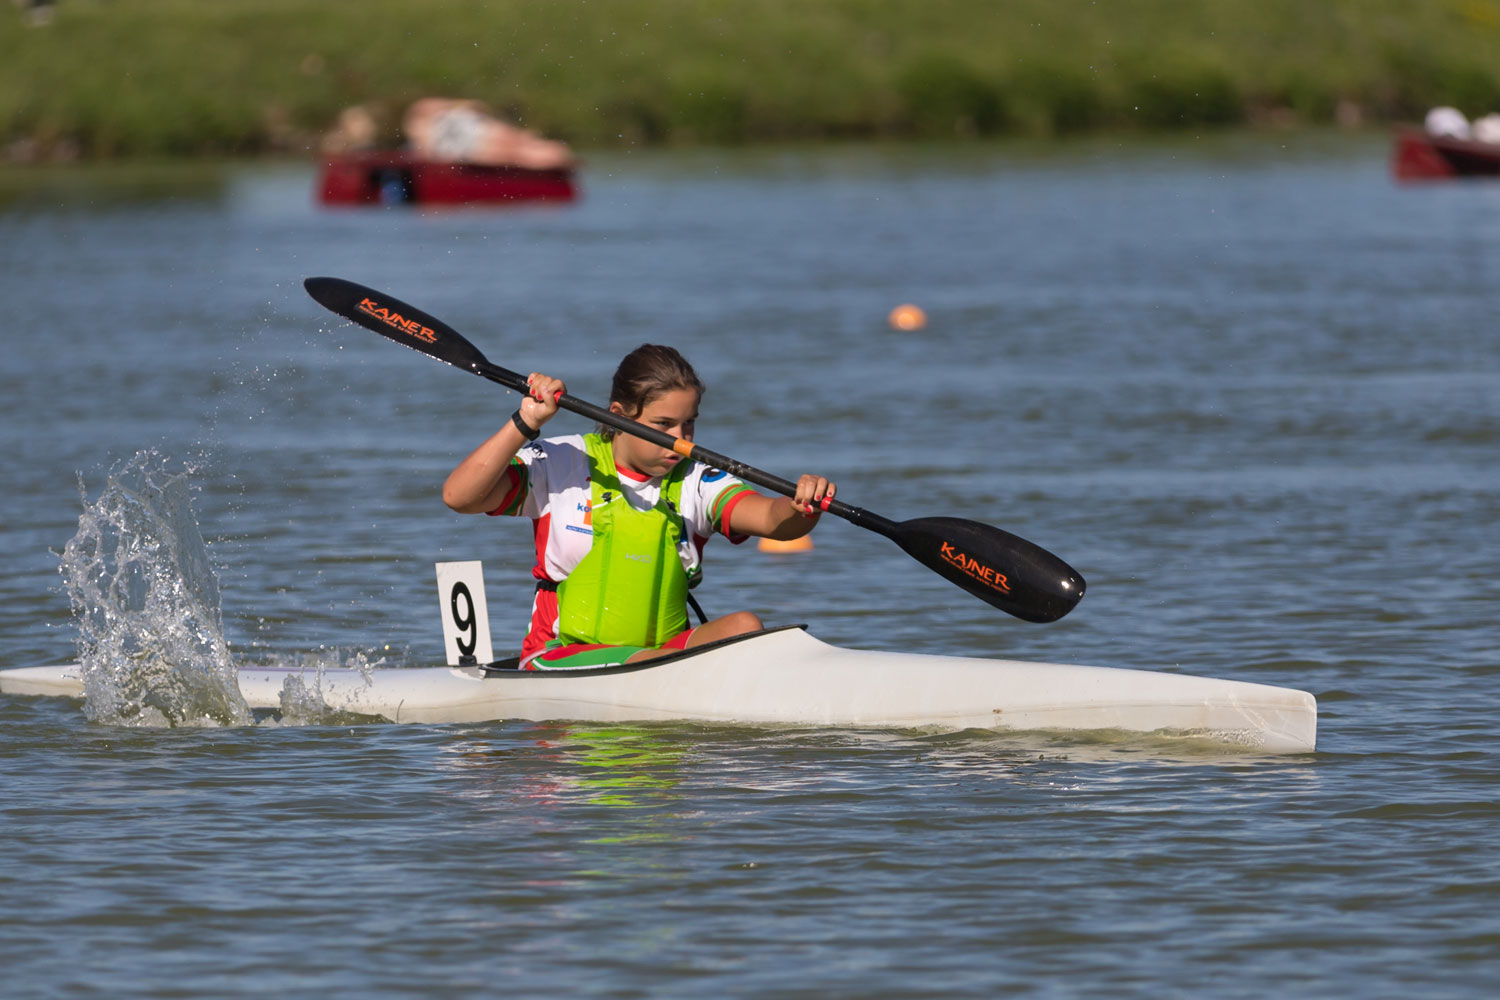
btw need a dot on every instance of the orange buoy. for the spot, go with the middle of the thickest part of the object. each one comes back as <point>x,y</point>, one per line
<point>790,545</point>
<point>907,317</point>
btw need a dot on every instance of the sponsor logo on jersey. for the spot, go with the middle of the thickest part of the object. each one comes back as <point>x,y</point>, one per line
<point>711,475</point>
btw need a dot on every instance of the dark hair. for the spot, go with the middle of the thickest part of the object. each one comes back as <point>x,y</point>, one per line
<point>647,372</point>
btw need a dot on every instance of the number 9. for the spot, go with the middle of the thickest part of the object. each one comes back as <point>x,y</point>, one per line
<point>468,627</point>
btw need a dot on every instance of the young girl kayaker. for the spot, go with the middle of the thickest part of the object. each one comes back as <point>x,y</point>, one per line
<point>620,523</point>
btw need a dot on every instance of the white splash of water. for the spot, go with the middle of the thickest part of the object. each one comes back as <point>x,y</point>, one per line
<point>304,701</point>
<point>151,636</point>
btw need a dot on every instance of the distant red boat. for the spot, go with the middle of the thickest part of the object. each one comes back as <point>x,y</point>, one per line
<point>1419,156</point>
<point>396,177</point>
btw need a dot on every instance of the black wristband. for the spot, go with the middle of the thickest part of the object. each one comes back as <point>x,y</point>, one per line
<point>527,432</point>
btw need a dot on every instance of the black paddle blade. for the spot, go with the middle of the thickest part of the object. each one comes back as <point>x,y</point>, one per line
<point>1018,577</point>
<point>390,317</point>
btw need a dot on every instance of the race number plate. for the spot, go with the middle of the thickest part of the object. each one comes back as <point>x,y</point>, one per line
<point>466,617</point>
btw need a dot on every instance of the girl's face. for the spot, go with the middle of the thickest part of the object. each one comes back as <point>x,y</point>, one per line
<point>673,412</point>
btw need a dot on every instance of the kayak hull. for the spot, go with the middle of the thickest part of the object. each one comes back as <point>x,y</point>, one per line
<point>788,677</point>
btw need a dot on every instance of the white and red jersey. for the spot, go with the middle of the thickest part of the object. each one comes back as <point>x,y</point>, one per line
<point>554,491</point>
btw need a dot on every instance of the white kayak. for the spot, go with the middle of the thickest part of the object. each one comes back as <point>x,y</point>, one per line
<point>787,677</point>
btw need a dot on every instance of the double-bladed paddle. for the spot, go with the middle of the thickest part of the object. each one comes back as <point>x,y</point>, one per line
<point>1001,569</point>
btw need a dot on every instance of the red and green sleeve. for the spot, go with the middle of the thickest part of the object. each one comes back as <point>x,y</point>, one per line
<point>515,497</point>
<point>724,504</point>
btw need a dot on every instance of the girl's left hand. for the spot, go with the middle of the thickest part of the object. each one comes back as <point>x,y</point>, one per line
<point>812,491</point>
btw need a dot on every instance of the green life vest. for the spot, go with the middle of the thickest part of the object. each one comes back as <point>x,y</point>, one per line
<point>631,588</point>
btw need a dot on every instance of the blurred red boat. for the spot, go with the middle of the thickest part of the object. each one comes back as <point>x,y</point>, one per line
<point>1421,156</point>
<point>397,177</point>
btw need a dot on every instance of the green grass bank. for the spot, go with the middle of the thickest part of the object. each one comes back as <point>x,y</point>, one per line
<point>179,78</point>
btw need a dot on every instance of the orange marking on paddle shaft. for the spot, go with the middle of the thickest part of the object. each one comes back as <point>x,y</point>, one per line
<point>975,568</point>
<point>683,448</point>
<point>393,319</point>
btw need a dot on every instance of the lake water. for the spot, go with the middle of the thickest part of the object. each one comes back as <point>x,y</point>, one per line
<point>1249,387</point>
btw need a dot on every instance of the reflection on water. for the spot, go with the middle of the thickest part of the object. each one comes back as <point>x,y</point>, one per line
<point>630,767</point>
<point>622,765</point>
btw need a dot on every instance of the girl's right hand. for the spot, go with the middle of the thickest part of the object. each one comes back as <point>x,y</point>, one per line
<point>540,405</point>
